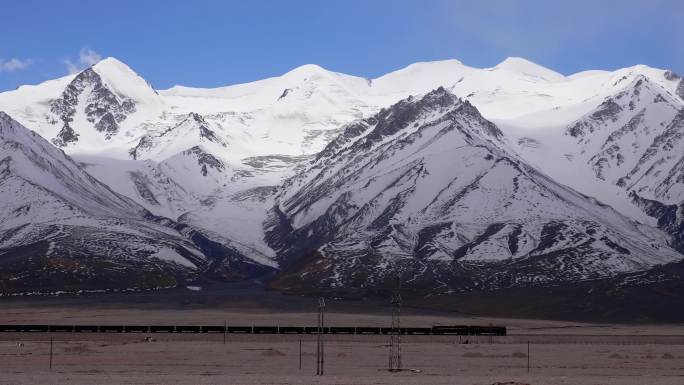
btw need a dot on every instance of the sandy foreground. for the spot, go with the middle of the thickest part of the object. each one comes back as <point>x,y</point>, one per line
<point>560,352</point>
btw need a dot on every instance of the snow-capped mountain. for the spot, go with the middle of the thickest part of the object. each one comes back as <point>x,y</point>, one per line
<point>427,189</point>
<point>461,177</point>
<point>94,110</point>
<point>627,146</point>
<point>63,230</point>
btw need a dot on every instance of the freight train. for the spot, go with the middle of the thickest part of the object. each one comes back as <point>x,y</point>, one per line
<point>462,330</point>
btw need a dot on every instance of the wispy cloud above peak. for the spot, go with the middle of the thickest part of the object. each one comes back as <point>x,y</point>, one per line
<point>89,57</point>
<point>86,58</point>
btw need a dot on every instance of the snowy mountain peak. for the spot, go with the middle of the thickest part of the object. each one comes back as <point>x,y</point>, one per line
<point>193,129</point>
<point>124,81</point>
<point>112,64</point>
<point>307,70</point>
<point>196,117</point>
<point>412,109</point>
<point>527,68</point>
<point>422,75</point>
<point>90,97</point>
<point>424,189</point>
<point>426,65</point>
<point>97,104</point>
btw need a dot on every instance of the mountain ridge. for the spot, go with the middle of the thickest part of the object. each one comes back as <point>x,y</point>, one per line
<point>488,179</point>
<point>369,202</point>
<point>63,230</point>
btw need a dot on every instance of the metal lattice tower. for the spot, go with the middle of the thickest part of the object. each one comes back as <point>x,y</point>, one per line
<point>395,363</point>
<point>320,349</point>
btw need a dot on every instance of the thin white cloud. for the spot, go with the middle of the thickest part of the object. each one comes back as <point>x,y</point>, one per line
<point>71,67</point>
<point>86,58</point>
<point>14,64</point>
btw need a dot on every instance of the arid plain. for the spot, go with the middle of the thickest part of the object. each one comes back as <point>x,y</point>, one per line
<point>559,352</point>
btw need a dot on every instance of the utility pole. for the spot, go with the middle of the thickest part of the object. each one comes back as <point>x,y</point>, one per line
<point>395,363</point>
<point>320,351</point>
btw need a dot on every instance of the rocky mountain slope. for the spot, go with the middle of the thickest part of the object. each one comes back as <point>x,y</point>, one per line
<point>627,147</point>
<point>63,230</point>
<point>428,190</point>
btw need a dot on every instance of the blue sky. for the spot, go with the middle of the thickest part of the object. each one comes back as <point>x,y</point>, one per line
<point>206,43</point>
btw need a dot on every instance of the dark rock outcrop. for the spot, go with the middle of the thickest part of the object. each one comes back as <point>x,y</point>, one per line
<point>103,108</point>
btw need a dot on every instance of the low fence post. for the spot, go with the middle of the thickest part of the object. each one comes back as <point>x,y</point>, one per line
<point>51,343</point>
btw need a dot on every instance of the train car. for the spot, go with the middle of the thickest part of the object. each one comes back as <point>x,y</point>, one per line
<point>315,330</point>
<point>136,328</point>
<point>487,330</point>
<point>291,329</point>
<point>411,331</point>
<point>36,328</point>
<point>86,328</point>
<point>111,329</point>
<point>213,329</point>
<point>162,329</point>
<point>239,329</point>
<point>342,330</point>
<point>11,328</point>
<point>460,330</point>
<point>62,328</point>
<point>265,330</point>
<point>188,329</point>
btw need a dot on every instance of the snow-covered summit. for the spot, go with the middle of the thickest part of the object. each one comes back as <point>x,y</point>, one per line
<point>529,69</point>
<point>124,81</point>
<point>425,189</point>
<point>306,104</point>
